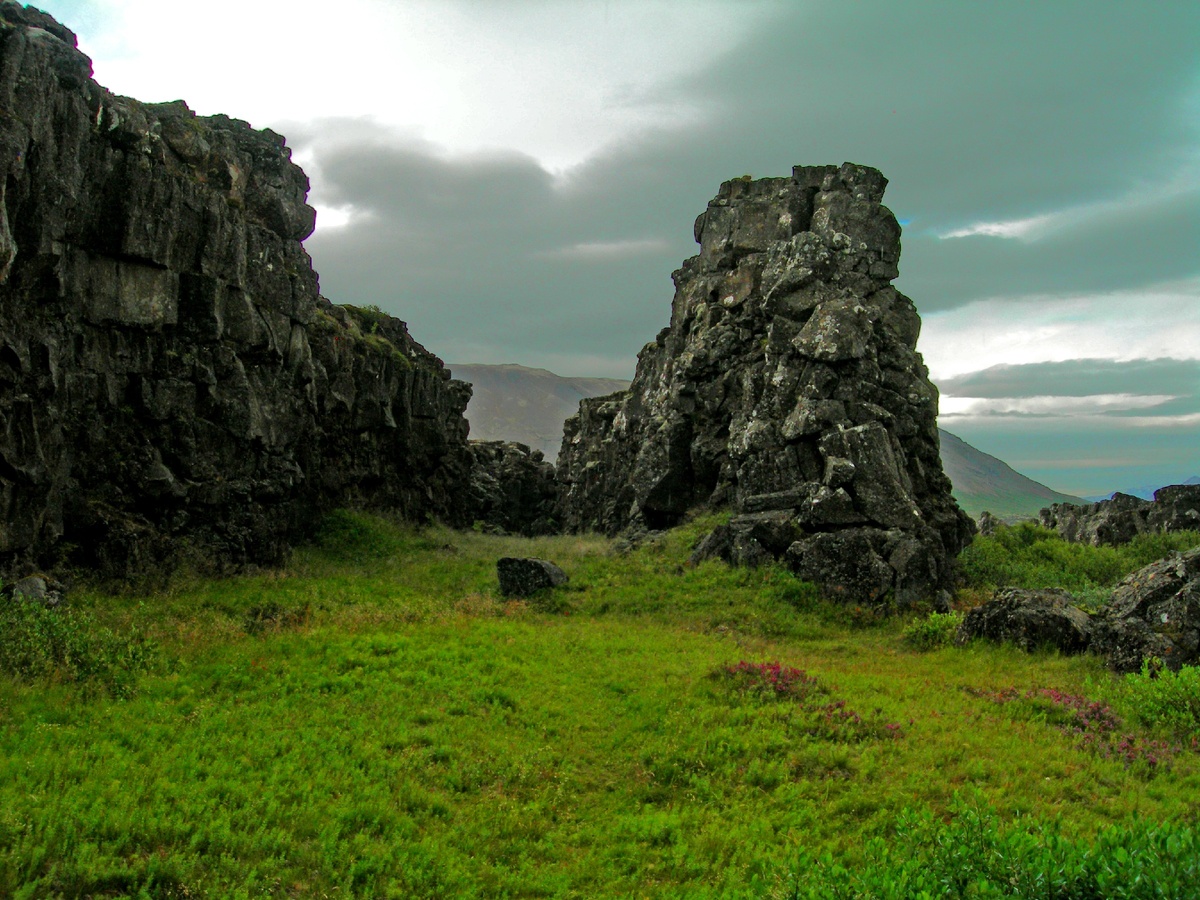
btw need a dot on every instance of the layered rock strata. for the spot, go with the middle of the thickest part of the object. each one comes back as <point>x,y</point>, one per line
<point>1122,518</point>
<point>787,387</point>
<point>169,374</point>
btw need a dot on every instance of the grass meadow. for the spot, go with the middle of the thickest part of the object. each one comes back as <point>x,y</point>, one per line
<point>375,721</point>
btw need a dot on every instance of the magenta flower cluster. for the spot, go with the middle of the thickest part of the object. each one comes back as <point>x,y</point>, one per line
<point>832,720</point>
<point>773,678</point>
<point>1095,725</point>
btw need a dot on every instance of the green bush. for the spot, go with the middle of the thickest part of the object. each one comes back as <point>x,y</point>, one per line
<point>1030,556</point>
<point>936,630</point>
<point>971,856</point>
<point>69,645</point>
<point>348,535</point>
<point>1167,699</point>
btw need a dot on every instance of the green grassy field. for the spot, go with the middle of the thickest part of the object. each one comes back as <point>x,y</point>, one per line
<point>374,721</point>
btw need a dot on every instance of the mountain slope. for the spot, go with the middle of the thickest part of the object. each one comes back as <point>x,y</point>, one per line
<point>984,482</point>
<point>516,403</point>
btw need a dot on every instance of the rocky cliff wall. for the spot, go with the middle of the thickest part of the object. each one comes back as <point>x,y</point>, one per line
<point>169,374</point>
<point>788,387</point>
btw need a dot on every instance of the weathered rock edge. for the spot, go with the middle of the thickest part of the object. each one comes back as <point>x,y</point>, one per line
<point>170,378</point>
<point>1123,517</point>
<point>787,387</point>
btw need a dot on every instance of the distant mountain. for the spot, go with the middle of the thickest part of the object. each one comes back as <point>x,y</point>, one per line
<point>983,482</point>
<point>1146,491</point>
<point>516,403</point>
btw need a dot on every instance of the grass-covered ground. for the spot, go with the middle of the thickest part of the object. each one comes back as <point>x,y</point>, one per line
<point>375,721</point>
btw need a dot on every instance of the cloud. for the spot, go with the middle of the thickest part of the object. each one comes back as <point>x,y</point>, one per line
<point>1080,378</point>
<point>603,251</point>
<point>1085,426</point>
<point>1155,322</point>
<point>953,408</point>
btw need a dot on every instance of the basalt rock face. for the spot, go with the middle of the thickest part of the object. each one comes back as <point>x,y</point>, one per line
<point>169,373</point>
<point>512,489</point>
<point>788,387</point>
<point>1122,518</point>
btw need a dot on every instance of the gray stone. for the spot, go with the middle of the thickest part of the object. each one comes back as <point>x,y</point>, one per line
<point>1154,613</point>
<point>36,589</point>
<point>1112,522</point>
<point>1030,619</point>
<point>524,576</point>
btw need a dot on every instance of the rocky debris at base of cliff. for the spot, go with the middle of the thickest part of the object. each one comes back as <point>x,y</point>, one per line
<point>35,589</point>
<point>787,387</point>
<point>525,576</point>
<point>1154,613</point>
<point>1030,619</point>
<point>512,489</point>
<point>170,379</point>
<point>1123,517</point>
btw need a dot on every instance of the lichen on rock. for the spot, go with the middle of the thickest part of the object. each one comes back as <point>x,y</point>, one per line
<point>787,382</point>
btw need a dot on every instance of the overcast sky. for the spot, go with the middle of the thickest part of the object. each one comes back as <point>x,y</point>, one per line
<point>517,180</point>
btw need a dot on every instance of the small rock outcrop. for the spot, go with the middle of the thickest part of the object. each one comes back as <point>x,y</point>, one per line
<point>525,576</point>
<point>787,387</point>
<point>512,489</point>
<point>1154,613</point>
<point>1030,619</point>
<point>170,378</point>
<point>1123,517</point>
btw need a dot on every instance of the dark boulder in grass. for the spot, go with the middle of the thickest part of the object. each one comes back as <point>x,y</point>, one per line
<point>35,589</point>
<point>525,576</point>
<point>1154,613</point>
<point>1030,619</point>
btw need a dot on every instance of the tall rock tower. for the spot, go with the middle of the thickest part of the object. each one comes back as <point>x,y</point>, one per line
<point>787,387</point>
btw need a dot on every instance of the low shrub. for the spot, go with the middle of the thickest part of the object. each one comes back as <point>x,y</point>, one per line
<point>1167,699</point>
<point>1030,556</point>
<point>272,616</point>
<point>69,645</point>
<point>820,715</point>
<point>934,631</point>
<point>973,856</point>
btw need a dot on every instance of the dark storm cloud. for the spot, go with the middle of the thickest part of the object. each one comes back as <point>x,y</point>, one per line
<point>977,113</point>
<point>1082,378</point>
<point>489,259</point>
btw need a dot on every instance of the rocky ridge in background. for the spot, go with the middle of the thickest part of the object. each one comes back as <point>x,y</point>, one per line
<point>1123,517</point>
<point>788,387</point>
<point>170,377</point>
